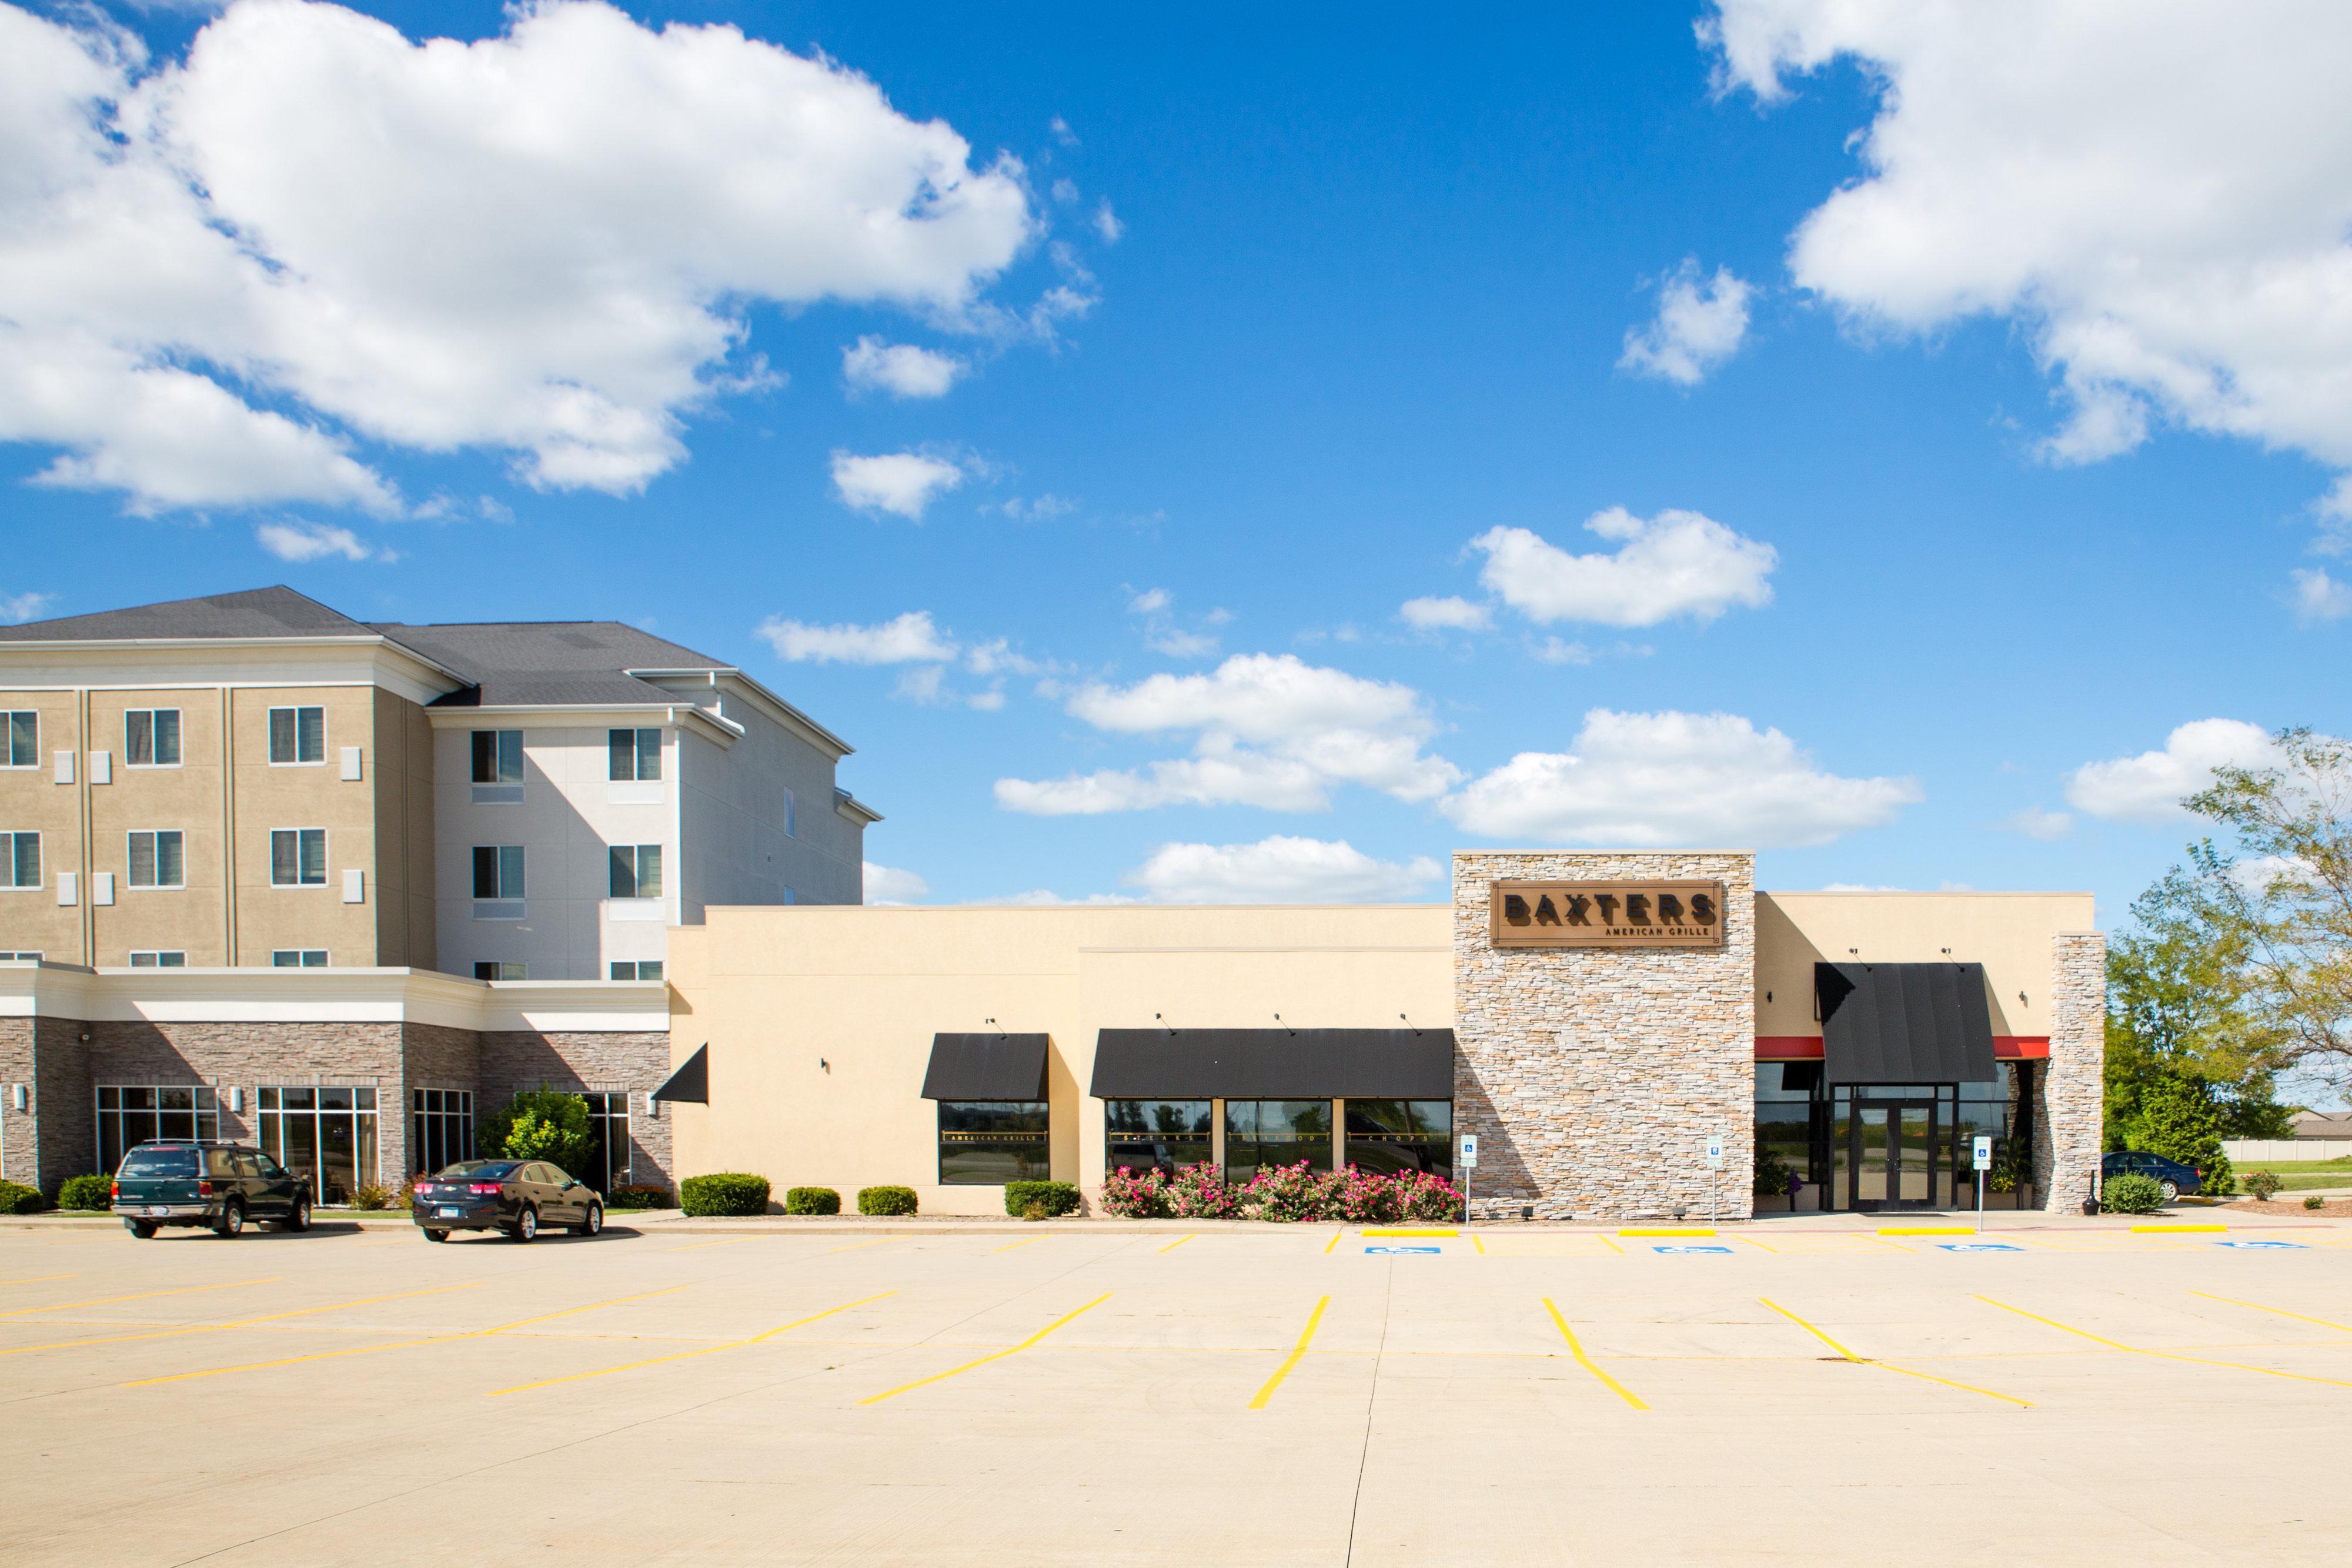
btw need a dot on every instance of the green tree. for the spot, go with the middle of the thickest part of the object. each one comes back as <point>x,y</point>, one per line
<point>543,1124</point>
<point>2181,1119</point>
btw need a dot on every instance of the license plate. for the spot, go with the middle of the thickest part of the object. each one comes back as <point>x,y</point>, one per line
<point>448,1213</point>
<point>157,1208</point>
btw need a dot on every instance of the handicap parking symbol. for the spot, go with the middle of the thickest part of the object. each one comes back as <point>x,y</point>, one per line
<point>2263,1246</point>
<point>1978,1247</point>
<point>1683,1250</point>
<point>1404,1250</point>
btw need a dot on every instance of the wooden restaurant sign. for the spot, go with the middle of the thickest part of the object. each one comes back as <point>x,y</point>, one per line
<point>1607,914</point>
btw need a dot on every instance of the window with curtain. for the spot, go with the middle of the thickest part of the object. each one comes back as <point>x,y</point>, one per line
<point>151,737</point>
<point>635,754</point>
<point>297,735</point>
<point>298,857</point>
<point>498,871</point>
<point>157,860</point>
<point>636,871</point>
<point>498,757</point>
<point>20,859</point>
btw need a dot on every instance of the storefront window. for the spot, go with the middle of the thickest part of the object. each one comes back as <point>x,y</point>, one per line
<point>1275,1133</point>
<point>444,1129</point>
<point>129,1114</point>
<point>1157,1134</point>
<point>327,1133</point>
<point>608,1120</point>
<point>1787,1120</point>
<point>1385,1136</point>
<point>987,1143</point>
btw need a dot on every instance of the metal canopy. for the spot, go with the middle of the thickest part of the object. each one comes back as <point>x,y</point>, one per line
<point>1274,1064</point>
<point>1904,1023</point>
<point>986,1067</point>
<point>690,1083</point>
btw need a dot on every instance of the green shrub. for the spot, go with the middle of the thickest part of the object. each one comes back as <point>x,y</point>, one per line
<point>811,1200</point>
<point>1055,1198</point>
<point>1772,1173</point>
<point>885,1200</point>
<point>86,1192</point>
<point>723,1192</point>
<point>2314,1201</point>
<point>640,1196</point>
<point>2262,1184</point>
<point>2130,1193</point>
<point>15,1199</point>
<point>371,1198</point>
<point>543,1124</point>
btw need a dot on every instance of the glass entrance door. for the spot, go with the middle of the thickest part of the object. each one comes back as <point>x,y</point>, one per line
<point>1892,1156</point>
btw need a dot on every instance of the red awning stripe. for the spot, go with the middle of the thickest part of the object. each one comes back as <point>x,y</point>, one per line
<point>1808,1048</point>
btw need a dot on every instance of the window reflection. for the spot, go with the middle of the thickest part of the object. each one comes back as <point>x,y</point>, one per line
<point>987,1143</point>
<point>1157,1134</point>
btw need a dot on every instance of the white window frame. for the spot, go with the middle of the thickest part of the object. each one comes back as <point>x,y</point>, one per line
<point>179,735</point>
<point>8,740</point>
<point>154,859</point>
<point>636,857</point>
<point>494,965</point>
<point>269,738</point>
<point>325,858</point>
<point>499,854</point>
<point>157,956</point>
<point>8,863</point>
<point>637,968</point>
<point>636,734</point>
<point>300,956</point>
<point>23,957</point>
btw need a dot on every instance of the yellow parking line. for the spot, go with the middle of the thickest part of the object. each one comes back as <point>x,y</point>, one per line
<point>2172,1229</point>
<point>1298,1352</point>
<point>1613,1246</point>
<point>1327,1245</point>
<point>996,1355</point>
<point>400,1344</point>
<point>1753,1242</point>
<point>1586,1361</point>
<point>1478,1243</point>
<point>1031,1242</point>
<point>2161,1355</point>
<point>139,1296</point>
<point>2282,1312</point>
<point>222,1328</point>
<point>37,1280</point>
<point>683,1355</point>
<point>1888,1365</point>
<point>1175,1244</point>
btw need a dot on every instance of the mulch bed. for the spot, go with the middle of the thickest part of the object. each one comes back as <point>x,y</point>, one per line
<point>2286,1205</point>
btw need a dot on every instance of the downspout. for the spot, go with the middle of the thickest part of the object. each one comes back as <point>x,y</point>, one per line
<point>229,828</point>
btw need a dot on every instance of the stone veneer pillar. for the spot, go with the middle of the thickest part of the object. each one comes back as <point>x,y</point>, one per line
<point>2069,1129</point>
<point>1593,1076</point>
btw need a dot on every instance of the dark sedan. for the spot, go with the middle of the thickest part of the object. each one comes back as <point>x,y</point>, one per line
<point>516,1196</point>
<point>2173,1176</point>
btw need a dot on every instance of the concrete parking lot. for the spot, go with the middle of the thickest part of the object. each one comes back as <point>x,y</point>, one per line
<point>1090,1394</point>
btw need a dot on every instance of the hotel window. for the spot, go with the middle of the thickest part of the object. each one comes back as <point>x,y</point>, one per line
<point>20,859</point>
<point>169,959</point>
<point>444,1129</point>
<point>1275,1133</point>
<point>498,757</point>
<point>498,971</point>
<point>792,820</point>
<point>157,860</point>
<point>635,753</point>
<point>1164,1136</point>
<point>129,1114</point>
<point>645,969</point>
<point>498,871</point>
<point>636,871</point>
<point>987,1143</point>
<point>151,737</point>
<point>297,735</point>
<point>24,740</point>
<point>298,958</point>
<point>298,857</point>
<point>608,1123</point>
<point>1385,1136</point>
<point>325,1134</point>
<point>22,957</point>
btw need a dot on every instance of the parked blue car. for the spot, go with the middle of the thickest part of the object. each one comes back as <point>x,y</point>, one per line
<point>2173,1176</point>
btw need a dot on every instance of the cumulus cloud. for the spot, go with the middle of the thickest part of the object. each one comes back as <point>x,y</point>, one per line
<point>17,608</point>
<point>1270,730</point>
<point>1676,564</point>
<point>1450,613</point>
<point>1685,779</point>
<point>902,370</point>
<point>2150,787</point>
<point>909,639</point>
<point>224,271</point>
<point>888,884</point>
<point>1279,870</point>
<point>2159,194</point>
<point>310,541</point>
<point>2319,597</point>
<point>2035,822</point>
<point>1106,223</point>
<point>905,482</point>
<point>1700,323</point>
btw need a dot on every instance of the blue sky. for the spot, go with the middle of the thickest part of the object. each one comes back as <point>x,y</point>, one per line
<point>1967,462</point>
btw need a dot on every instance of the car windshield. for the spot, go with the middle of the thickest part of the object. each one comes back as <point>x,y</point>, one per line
<point>479,1170</point>
<point>180,1162</point>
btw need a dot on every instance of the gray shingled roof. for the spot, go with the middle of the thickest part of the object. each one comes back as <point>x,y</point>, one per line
<point>257,613</point>
<point>535,662</point>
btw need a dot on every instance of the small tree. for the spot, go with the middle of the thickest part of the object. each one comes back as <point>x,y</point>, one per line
<point>2181,1119</point>
<point>544,1125</point>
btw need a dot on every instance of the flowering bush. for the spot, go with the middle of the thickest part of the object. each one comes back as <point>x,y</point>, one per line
<point>1126,1195</point>
<point>1366,1199</point>
<point>1286,1194</point>
<point>1199,1192</point>
<point>1428,1197</point>
<point>1282,1195</point>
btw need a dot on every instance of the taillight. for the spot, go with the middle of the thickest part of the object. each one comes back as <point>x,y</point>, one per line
<point>422,1189</point>
<point>204,1189</point>
<point>483,1189</point>
<point>118,1189</point>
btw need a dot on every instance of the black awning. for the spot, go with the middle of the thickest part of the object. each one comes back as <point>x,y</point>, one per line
<point>691,1081</point>
<point>1904,1023</point>
<point>1274,1064</point>
<point>986,1067</point>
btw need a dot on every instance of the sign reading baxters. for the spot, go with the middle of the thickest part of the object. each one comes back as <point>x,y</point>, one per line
<point>1606,915</point>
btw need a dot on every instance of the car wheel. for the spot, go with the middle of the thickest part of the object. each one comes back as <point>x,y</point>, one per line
<point>594,1224</point>
<point>433,1235</point>
<point>526,1224</point>
<point>140,1228</point>
<point>299,1218</point>
<point>2171,1191</point>
<point>231,1224</point>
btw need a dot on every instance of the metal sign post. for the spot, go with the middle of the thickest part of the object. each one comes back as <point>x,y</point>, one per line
<point>1468,1159</point>
<point>1714,1173</point>
<point>1982,1155</point>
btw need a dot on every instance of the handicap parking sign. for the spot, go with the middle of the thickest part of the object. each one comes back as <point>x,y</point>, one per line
<point>2263,1246</point>
<point>1682,1249</point>
<point>1403,1249</point>
<point>1977,1247</point>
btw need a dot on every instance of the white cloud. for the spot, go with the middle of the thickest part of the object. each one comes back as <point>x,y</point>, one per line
<point>2035,822</point>
<point>902,370</point>
<point>1162,635</point>
<point>1270,730</point>
<point>1674,778</point>
<point>2150,787</point>
<point>17,608</point>
<point>909,639</point>
<point>1280,870</point>
<point>1043,509</point>
<point>888,884</point>
<point>1046,898</point>
<point>1150,602</point>
<point>906,482</point>
<point>1450,613</point>
<point>1106,223</point>
<point>311,542</point>
<point>1676,564</point>
<point>2319,597</point>
<point>223,270</point>
<point>2159,193</point>
<point>1700,323</point>
<point>1552,650</point>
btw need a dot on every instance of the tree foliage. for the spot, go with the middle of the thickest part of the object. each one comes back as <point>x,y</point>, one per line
<point>544,1125</point>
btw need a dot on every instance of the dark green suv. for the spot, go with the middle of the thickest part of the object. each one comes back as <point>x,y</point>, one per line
<point>221,1186</point>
